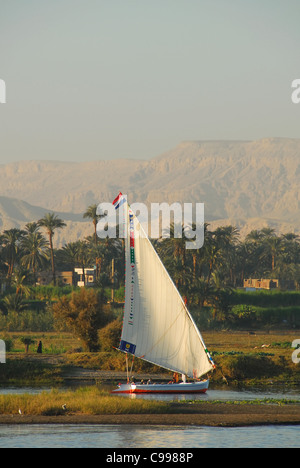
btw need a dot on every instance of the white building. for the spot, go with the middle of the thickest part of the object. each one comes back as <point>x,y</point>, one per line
<point>86,276</point>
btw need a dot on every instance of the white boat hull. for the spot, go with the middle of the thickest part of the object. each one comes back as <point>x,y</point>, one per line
<point>180,388</point>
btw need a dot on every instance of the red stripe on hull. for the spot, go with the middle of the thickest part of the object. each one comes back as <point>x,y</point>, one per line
<point>162,391</point>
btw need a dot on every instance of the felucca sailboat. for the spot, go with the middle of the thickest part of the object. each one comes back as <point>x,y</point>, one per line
<point>157,325</point>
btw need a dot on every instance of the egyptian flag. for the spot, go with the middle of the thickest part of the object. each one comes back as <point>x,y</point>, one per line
<point>119,201</point>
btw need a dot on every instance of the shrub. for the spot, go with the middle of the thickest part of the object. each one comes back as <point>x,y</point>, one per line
<point>109,336</point>
<point>243,315</point>
<point>27,342</point>
<point>85,313</point>
<point>9,344</point>
<point>247,366</point>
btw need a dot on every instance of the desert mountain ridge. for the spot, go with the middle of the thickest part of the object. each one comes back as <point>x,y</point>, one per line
<point>16,213</point>
<point>250,184</point>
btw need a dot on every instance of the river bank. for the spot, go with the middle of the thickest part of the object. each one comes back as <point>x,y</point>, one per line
<point>91,405</point>
<point>204,414</point>
<point>241,358</point>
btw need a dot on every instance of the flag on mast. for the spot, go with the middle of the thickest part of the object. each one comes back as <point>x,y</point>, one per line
<point>119,201</point>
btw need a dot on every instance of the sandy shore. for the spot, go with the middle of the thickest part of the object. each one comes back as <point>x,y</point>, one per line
<point>222,415</point>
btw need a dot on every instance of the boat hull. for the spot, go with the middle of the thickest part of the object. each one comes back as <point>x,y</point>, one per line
<point>181,388</point>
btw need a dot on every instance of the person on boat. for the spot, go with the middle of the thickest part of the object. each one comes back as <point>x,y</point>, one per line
<point>175,378</point>
<point>132,379</point>
<point>149,382</point>
<point>183,378</point>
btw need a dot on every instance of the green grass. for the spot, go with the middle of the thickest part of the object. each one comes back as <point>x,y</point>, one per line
<point>239,356</point>
<point>88,400</point>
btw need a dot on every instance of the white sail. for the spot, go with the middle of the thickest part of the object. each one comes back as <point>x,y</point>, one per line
<point>157,325</point>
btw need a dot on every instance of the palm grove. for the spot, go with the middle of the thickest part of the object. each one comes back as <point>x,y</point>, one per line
<point>206,277</point>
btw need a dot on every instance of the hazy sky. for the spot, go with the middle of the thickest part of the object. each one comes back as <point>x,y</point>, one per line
<point>101,79</point>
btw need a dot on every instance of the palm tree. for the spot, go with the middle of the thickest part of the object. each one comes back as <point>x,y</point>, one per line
<point>212,253</point>
<point>228,237</point>
<point>104,252</point>
<point>243,263</point>
<point>35,251</point>
<point>291,244</point>
<point>82,257</point>
<point>31,228</point>
<point>91,213</point>
<point>51,222</point>
<point>20,279</point>
<point>14,303</point>
<point>255,248</point>
<point>255,236</point>
<point>11,240</point>
<point>67,256</point>
<point>201,292</point>
<point>274,246</point>
<point>198,258</point>
<point>171,245</point>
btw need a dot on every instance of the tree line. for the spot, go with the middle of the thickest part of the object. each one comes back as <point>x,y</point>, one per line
<point>226,260</point>
<point>24,253</point>
<point>223,262</point>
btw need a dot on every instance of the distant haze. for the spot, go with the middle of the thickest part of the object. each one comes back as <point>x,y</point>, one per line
<point>248,184</point>
<point>112,79</point>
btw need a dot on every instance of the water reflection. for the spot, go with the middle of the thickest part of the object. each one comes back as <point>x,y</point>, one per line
<point>225,393</point>
<point>88,436</point>
<point>23,390</point>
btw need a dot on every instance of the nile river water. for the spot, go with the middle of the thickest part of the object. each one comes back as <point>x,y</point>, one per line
<point>226,393</point>
<point>89,436</point>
